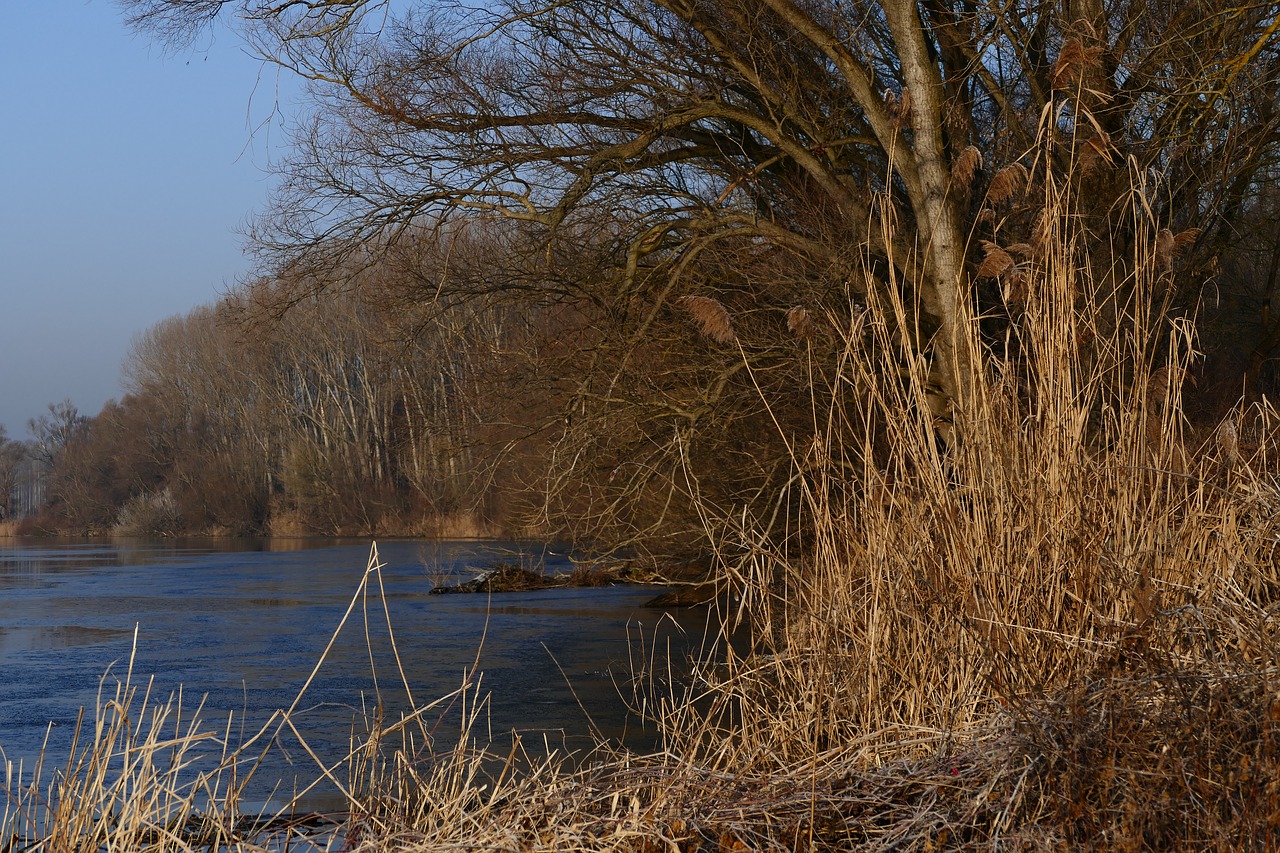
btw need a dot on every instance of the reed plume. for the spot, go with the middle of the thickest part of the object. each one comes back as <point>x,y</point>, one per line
<point>965,168</point>
<point>899,107</point>
<point>996,263</point>
<point>712,317</point>
<point>1008,183</point>
<point>800,323</point>
<point>1073,61</point>
<point>1166,249</point>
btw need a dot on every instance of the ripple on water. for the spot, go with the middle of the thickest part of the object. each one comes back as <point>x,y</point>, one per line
<point>240,628</point>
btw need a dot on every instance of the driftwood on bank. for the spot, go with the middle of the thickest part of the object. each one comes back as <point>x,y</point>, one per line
<point>506,577</point>
<point>689,584</point>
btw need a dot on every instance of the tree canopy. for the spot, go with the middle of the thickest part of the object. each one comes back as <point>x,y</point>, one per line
<point>693,200</point>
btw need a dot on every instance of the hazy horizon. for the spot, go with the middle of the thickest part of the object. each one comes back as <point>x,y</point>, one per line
<point>126,174</point>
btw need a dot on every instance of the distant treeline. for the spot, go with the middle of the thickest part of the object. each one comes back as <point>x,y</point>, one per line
<point>461,384</point>
<point>436,390</point>
<point>342,413</point>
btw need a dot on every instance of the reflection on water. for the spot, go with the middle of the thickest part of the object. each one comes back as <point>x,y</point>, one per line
<point>242,624</point>
<point>27,639</point>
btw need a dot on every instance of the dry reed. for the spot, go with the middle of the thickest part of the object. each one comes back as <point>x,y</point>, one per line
<point>996,263</point>
<point>1068,596</point>
<point>1008,183</point>
<point>1058,632</point>
<point>1074,59</point>
<point>799,322</point>
<point>965,168</point>
<point>899,107</point>
<point>711,316</point>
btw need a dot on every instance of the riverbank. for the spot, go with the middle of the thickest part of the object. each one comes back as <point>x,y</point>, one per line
<point>1031,644</point>
<point>1152,751</point>
<point>279,524</point>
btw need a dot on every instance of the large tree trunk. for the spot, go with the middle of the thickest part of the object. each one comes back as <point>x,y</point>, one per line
<point>944,285</point>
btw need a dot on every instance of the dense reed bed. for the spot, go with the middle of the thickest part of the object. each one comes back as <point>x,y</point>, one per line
<point>1043,619</point>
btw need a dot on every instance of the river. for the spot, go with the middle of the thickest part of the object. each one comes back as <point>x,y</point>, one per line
<point>239,626</point>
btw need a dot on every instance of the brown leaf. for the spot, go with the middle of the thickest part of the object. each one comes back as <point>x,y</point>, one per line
<point>1228,436</point>
<point>899,106</point>
<point>1166,249</point>
<point>1146,599</point>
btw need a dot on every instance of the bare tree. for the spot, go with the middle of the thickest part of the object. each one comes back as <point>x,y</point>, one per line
<point>53,431</point>
<point>702,193</point>
<point>13,455</point>
<point>695,122</point>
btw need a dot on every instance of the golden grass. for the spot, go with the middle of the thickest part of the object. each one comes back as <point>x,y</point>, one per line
<point>1149,728</point>
<point>1060,632</point>
<point>134,779</point>
<point>934,587</point>
<point>1081,589</point>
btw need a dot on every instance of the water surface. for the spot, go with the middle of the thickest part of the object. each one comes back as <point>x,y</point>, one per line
<point>240,627</point>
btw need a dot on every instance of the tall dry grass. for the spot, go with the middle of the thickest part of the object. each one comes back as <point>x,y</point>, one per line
<point>146,772</point>
<point>142,772</point>
<point>1056,629</point>
<point>1059,568</point>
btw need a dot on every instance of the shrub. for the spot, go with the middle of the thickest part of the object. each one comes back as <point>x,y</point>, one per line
<point>149,514</point>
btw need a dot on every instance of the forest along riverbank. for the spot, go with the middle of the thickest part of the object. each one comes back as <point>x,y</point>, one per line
<point>243,628</point>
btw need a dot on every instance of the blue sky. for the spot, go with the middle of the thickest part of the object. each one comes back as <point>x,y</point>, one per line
<point>125,173</point>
